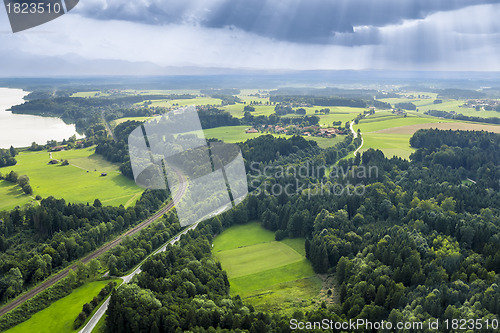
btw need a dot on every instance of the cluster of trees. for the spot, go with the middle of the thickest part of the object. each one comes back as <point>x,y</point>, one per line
<point>319,100</point>
<point>323,111</point>
<point>132,251</point>
<point>405,106</point>
<point>458,116</point>
<point>274,119</point>
<point>87,308</point>
<point>381,105</point>
<point>39,240</point>
<point>23,181</point>
<point>284,109</point>
<point>266,148</point>
<point>8,157</point>
<point>453,93</point>
<point>212,117</point>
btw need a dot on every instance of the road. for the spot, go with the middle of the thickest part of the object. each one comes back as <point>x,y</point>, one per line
<point>355,134</point>
<point>108,129</point>
<point>126,279</point>
<point>54,279</point>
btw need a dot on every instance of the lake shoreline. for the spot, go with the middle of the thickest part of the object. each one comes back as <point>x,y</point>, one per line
<point>21,130</point>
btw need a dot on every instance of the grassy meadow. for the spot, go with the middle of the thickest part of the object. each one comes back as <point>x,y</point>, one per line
<point>11,196</point>
<point>117,122</point>
<point>230,134</point>
<point>61,314</point>
<point>270,275</point>
<point>80,181</point>
<point>374,127</point>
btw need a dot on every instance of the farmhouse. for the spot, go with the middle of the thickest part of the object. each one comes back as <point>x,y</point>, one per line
<point>57,148</point>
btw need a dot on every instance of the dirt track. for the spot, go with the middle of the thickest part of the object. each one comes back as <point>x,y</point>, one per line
<point>54,279</point>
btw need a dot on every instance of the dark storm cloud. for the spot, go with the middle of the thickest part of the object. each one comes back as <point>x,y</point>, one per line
<point>302,21</point>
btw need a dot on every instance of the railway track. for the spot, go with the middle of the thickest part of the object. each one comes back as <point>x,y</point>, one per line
<point>56,278</point>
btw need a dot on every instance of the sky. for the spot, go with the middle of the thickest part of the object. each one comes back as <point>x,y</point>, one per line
<point>445,35</point>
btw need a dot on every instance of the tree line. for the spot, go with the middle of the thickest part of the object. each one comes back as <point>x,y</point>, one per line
<point>39,240</point>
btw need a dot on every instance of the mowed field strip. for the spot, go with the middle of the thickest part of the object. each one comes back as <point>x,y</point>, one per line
<point>250,259</point>
<point>391,133</point>
<point>268,274</point>
<point>410,129</point>
<point>61,314</point>
<point>81,181</point>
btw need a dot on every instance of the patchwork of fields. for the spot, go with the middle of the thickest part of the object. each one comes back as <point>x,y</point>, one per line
<point>383,130</point>
<point>270,275</point>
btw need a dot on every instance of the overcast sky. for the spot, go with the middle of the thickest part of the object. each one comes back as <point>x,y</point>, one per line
<point>271,34</point>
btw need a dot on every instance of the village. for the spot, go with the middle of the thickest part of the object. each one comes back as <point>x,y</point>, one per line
<point>315,131</point>
<point>482,104</point>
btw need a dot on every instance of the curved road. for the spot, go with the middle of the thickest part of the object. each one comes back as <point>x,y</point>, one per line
<point>126,279</point>
<point>355,134</point>
<point>54,279</point>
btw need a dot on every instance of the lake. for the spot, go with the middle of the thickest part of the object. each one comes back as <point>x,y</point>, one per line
<point>21,130</point>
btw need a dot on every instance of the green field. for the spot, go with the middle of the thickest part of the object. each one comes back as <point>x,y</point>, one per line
<point>447,105</point>
<point>236,110</point>
<point>337,113</point>
<point>270,275</point>
<point>90,94</point>
<point>81,181</point>
<point>326,142</point>
<point>390,144</point>
<point>11,196</point>
<point>230,134</point>
<point>60,315</point>
<point>382,120</point>
<point>183,102</point>
<point>117,122</point>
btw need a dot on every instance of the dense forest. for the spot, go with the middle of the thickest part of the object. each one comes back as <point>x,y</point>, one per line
<point>36,241</point>
<point>421,243</point>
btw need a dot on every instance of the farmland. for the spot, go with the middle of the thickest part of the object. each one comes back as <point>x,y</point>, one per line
<point>80,181</point>
<point>271,275</point>
<point>11,196</point>
<point>60,315</point>
<point>374,129</point>
<point>230,134</point>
